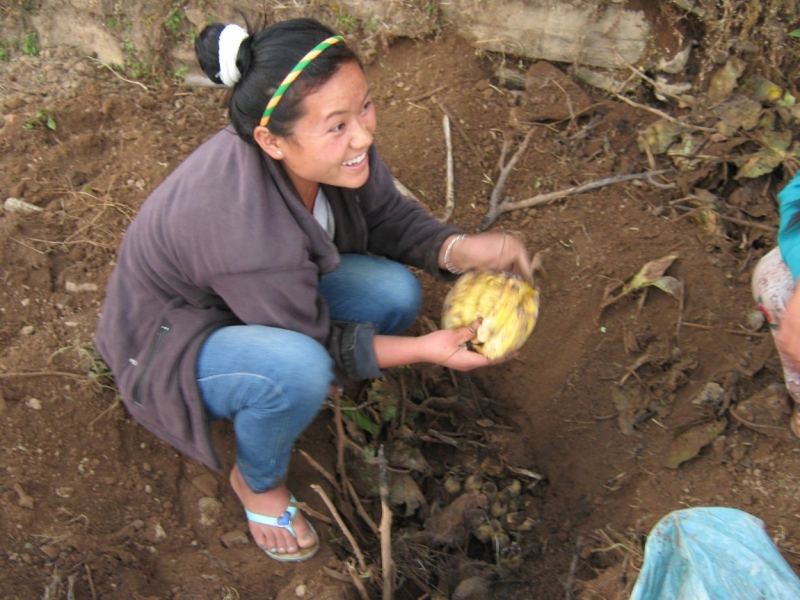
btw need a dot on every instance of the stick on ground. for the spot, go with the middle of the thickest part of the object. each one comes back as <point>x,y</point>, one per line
<point>506,206</point>
<point>387,561</point>
<point>359,556</point>
<point>450,202</point>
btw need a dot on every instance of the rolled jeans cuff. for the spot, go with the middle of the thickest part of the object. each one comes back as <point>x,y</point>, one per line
<point>359,357</point>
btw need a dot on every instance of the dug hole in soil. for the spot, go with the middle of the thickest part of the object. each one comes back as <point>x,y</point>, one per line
<point>591,434</point>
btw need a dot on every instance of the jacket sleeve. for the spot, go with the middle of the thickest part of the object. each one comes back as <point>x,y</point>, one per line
<point>789,232</point>
<point>399,228</point>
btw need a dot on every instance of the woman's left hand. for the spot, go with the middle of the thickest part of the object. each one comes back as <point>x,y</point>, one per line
<point>484,251</point>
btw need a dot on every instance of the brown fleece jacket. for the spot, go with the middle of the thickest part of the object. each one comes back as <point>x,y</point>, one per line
<point>226,239</point>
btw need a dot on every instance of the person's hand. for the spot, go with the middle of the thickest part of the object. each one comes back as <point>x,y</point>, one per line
<point>448,347</point>
<point>485,251</point>
<point>788,337</point>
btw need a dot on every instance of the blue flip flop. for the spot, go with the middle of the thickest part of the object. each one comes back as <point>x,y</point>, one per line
<point>285,522</point>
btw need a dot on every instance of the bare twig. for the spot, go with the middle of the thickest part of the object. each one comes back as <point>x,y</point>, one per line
<point>505,171</point>
<point>504,207</point>
<point>747,223</point>
<point>139,83</point>
<point>572,568</point>
<point>312,513</point>
<point>340,437</point>
<point>322,471</point>
<point>104,413</point>
<point>662,114</point>
<point>360,508</point>
<point>450,202</point>
<point>458,127</point>
<point>427,94</point>
<point>91,581</point>
<point>731,331</point>
<point>359,556</point>
<point>362,591</point>
<point>387,561</point>
<point>41,374</point>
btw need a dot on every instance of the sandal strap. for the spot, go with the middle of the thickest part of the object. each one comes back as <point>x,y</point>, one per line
<point>285,520</point>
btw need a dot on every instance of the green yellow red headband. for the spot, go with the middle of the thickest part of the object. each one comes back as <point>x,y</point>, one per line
<point>294,74</point>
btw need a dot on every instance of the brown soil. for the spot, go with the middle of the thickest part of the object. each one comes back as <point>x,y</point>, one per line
<point>91,499</point>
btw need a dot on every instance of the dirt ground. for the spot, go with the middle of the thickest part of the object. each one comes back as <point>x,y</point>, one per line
<point>95,506</point>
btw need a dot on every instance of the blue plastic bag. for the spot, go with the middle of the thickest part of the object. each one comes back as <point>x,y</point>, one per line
<point>713,554</point>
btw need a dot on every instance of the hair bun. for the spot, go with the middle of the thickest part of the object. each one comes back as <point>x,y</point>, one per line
<point>230,39</point>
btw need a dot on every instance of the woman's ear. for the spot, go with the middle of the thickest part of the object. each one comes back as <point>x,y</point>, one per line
<point>267,142</point>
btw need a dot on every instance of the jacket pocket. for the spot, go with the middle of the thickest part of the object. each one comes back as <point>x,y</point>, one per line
<point>138,386</point>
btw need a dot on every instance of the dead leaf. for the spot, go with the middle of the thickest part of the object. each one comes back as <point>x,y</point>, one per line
<point>688,444</point>
<point>451,525</point>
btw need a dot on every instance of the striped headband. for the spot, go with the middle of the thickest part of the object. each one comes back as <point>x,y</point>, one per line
<point>294,74</point>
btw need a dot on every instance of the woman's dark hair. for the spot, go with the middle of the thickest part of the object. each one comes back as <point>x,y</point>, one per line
<point>264,59</point>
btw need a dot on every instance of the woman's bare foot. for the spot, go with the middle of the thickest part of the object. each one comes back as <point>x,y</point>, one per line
<point>272,503</point>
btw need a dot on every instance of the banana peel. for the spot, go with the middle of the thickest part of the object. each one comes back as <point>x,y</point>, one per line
<point>507,305</point>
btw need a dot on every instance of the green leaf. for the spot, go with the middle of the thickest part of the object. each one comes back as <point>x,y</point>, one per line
<point>364,423</point>
<point>795,33</point>
<point>51,123</point>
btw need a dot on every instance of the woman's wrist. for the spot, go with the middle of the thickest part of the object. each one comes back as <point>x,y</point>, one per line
<point>446,256</point>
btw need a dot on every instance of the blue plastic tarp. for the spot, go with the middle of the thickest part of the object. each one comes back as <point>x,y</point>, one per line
<point>713,553</point>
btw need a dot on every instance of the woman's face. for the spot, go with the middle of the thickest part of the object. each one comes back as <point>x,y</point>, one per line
<point>329,142</point>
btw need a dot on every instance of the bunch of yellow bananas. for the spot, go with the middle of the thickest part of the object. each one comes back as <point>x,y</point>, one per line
<point>507,304</point>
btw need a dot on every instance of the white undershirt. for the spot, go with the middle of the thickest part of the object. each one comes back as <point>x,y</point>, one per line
<point>323,214</point>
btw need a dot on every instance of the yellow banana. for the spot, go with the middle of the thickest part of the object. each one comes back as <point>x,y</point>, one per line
<point>507,304</point>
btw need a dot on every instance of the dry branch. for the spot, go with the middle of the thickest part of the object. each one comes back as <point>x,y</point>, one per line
<point>322,471</point>
<point>506,206</point>
<point>450,202</point>
<point>387,561</point>
<point>458,127</point>
<point>42,374</point>
<point>359,556</point>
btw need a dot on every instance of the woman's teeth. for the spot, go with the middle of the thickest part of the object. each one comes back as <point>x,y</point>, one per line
<point>355,161</point>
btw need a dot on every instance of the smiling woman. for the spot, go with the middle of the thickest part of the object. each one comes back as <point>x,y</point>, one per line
<point>271,264</point>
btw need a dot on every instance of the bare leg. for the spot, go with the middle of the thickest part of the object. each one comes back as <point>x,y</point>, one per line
<point>272,503</point>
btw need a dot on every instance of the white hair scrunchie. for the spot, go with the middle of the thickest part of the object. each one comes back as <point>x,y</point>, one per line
<point>230,39</point>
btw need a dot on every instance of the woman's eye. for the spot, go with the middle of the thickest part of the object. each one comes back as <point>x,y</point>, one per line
<point>367,106</point>
<point>338,127</point>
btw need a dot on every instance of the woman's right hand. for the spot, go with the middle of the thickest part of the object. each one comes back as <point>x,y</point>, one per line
<point>448,347</point>
<point>787,339</point>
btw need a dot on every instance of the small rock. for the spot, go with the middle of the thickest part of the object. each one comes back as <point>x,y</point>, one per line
<point>14,102</point>
<point>25,501</point>
<point>20,206</point>
<point>154,532</point>
<point>146,467</point>
<point>64,492</point>
<point>27,330</point>
<point>234,539</point>
<point>301,590</point>
<point>755,320</point>
<point>210,509</point>
<point>474,588</point>
<point>147,102</point>
<point>207,485</point>
<point>71,286</point>
<point>50,552</point>
<point>33,403</point>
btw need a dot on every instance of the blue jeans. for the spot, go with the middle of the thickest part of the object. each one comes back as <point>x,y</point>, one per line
<point>272,382</point>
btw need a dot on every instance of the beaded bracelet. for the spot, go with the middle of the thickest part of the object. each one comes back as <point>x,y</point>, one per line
<point>447,264</point>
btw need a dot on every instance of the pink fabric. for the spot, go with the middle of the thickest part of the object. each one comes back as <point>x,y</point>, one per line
<point>773,286</point>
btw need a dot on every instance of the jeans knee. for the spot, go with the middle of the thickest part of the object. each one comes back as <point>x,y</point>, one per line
<point>312,388</point>
<point>406,300</point>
